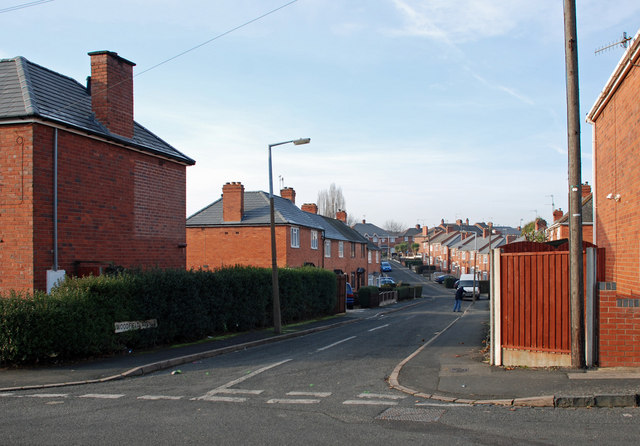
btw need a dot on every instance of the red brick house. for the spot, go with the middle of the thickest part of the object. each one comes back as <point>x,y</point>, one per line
<point>82,185</point>
<point>235,230</point>
<point>559,230</point>
<point>615,117</point>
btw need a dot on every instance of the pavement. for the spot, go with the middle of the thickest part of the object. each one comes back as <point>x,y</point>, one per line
<point>450,367</point>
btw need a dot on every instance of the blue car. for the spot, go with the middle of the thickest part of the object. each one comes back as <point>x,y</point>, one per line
<point>385,267</point>
<point>350,299</point>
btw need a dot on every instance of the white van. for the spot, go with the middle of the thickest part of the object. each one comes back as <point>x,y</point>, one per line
<point>466,282</point>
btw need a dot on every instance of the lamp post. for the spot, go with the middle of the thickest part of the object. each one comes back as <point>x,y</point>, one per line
<point>277,323</point>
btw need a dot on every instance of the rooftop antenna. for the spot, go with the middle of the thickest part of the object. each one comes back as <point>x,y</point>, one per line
<point>553,204</point>
<point>623,42</point>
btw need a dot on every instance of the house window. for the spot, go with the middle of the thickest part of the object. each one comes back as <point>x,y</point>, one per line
<point>327,248</point>
<point>406,239</point>
<point>295,237</point>
<point>375,239</point>
<point>486,258</point>
<point>392,239</point>
<point>369,257</point>
<point>341,249</point>
<point>353,250</point>
<point>314,239</point>
<point>377,256</point>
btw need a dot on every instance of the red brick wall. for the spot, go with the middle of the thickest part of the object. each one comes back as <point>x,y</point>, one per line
<point>16,205</point>
<point>114,205</point>
<point>248,245</point>
<point>617,144</point>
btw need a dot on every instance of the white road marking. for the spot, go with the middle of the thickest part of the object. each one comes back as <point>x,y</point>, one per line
<point>48,395</point>
<point>378,328</point>
<point>224,399</point>
<point>106,396</point>
<point>381,395</point>
<point>370,403</point>
<point>240,392</point>
<point>5,394</point>
<point>158,397</point>
<point>316,394</point>
<point>292,401</point>
<point>225,387</point>
<point>335,343</point>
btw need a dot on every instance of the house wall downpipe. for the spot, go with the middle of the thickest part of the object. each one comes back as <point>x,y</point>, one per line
<point>55,275</point>
<point>55,199</point>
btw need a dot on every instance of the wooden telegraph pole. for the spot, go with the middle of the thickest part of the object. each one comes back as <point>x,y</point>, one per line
<point>576,277</point>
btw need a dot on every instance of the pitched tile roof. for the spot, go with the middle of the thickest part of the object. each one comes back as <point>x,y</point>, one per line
<point>29,90</point>
<point>256,213</point>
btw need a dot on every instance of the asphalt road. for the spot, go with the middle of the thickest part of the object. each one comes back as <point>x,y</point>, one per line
<point>324,388</point>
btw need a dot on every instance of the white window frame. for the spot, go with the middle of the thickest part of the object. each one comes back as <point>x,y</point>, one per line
<point>314,239</point>
<point>295,237</point>
<point>327,248</point>
<point>369,257</point>
<point>341,249</point>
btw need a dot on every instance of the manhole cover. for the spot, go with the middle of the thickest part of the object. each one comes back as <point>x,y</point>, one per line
<point>408,414</point>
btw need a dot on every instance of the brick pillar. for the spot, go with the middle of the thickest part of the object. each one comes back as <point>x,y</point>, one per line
<point>288,193</point>
<point>232,202</point>
<point>112,92</point>
<point>312,208</point>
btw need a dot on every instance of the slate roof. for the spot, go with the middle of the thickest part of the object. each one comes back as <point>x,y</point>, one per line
<point>371,230</point>
<point>28,90</point>
<point>345,231</point>
<point>256,213</point>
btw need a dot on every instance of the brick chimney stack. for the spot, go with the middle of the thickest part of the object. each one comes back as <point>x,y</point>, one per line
<point>341,215</point>
<point>288,193</point>
<point>312,208</point>
<point>112,92</point>
<point>232,202</point>
<point>557,215</point>
<point>425,230</point>
<point>586,190</point>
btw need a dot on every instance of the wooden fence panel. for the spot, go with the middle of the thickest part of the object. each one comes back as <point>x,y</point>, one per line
<point>535,301</point>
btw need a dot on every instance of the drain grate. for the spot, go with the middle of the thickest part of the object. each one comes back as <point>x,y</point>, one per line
<point>408,414</point>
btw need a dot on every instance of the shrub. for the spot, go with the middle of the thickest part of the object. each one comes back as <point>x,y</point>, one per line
<point>449,282</point>
<point>77,319</point>
<point>368,295</point>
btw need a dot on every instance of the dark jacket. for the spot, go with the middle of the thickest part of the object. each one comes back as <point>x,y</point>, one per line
<point>459,293</point>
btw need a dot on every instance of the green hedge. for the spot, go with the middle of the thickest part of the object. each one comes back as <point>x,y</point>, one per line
<point>449,282</point>
<point>368,296</point>
<point>77,319</point>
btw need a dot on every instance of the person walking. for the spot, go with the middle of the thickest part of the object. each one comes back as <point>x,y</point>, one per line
<point>458,304</point>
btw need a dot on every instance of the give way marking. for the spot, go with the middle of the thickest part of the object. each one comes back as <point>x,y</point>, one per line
<point>225,389</point>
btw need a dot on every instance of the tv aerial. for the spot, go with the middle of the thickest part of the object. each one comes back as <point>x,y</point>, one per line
<point>623,43</point>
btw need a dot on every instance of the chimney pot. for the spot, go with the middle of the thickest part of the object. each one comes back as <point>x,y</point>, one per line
<point>288,193</point>
<point>232,202</point>
<point>111,90</point>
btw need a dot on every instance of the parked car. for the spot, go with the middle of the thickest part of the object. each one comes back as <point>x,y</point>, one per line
<point>387,281</point>
<point>443,277</point>
<point>350,297</point>
<point>385,267</point>
<point>466,282</point>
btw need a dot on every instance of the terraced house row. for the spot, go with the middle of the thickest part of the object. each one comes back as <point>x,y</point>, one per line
<point>235,230</point>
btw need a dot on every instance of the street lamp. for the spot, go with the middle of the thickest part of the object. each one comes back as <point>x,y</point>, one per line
<point>277,323</point>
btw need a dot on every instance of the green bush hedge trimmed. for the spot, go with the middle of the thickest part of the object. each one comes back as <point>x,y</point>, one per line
<point>449,282</point>
<point>77,319</point>
<point>368,295</point>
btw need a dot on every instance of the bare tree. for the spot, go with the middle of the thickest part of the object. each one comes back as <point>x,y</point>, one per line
<point>330,201</point>
<point>394,226</point>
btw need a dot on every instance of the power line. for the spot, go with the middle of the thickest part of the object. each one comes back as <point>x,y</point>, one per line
<point>216,37</point>
<point>184,52</point>
<point>24,5</point>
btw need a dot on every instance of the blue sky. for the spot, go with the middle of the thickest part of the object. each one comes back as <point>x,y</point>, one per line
<point>418,109</point>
